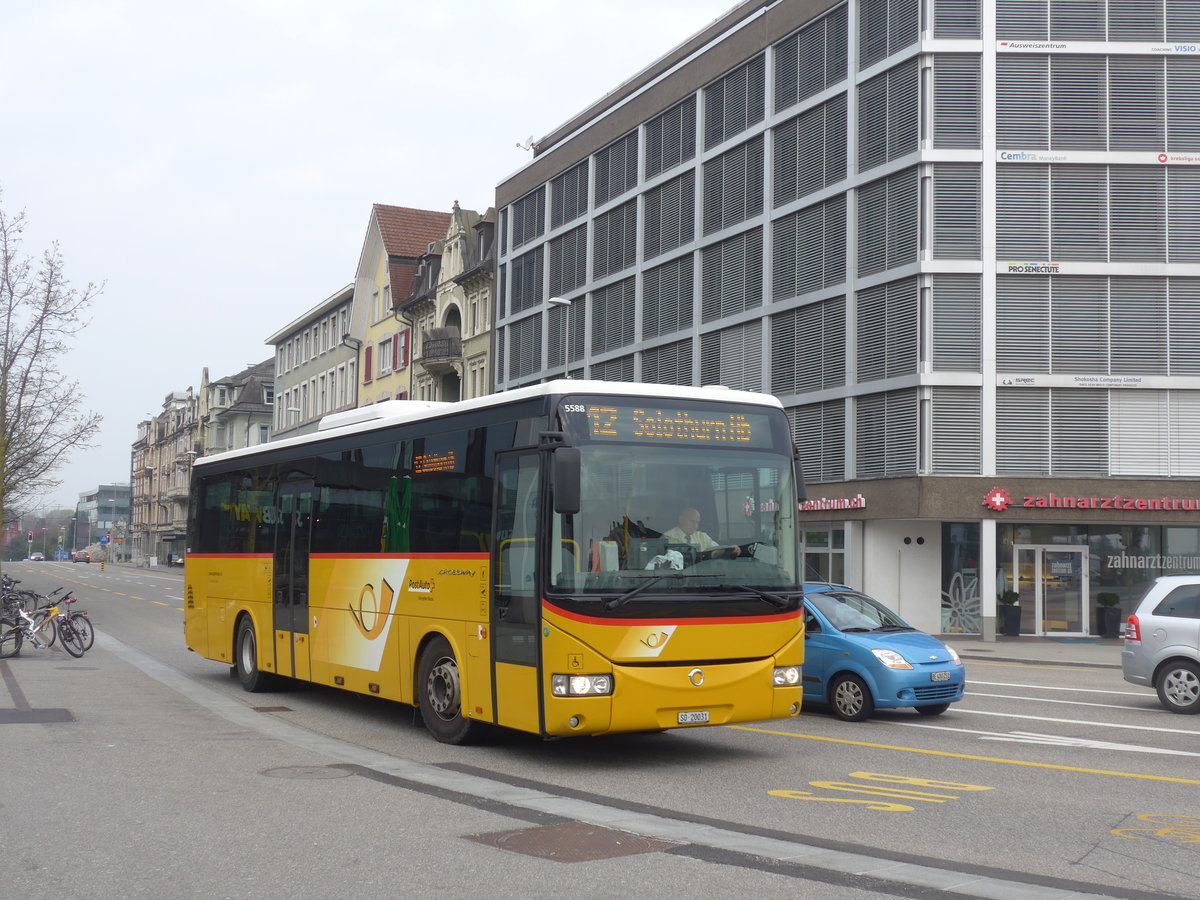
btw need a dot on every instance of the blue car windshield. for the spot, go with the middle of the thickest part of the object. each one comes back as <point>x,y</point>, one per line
<point>852,611</point>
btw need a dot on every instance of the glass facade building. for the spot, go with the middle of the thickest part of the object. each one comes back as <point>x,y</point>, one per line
<point>960,239</point>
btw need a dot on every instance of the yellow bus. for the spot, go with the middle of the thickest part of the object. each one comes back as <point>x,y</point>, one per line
<point>517,560</point>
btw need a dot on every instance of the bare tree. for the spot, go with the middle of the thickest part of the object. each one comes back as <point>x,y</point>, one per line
<point>41,417</point>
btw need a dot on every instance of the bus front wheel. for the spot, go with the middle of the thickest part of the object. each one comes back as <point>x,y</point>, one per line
<point>246,659</point>
<point>439,689</point>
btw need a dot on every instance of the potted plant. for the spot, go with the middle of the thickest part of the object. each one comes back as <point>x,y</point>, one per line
<point>1010,613</point>
<point>1108,614</point>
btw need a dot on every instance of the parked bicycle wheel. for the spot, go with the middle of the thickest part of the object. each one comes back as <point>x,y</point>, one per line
<point>10,638</point>
<point>46,632</point>
<point>83,626</point>
<point>71,640</point>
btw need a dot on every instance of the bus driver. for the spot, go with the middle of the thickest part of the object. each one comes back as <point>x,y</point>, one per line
<point>688,532</point>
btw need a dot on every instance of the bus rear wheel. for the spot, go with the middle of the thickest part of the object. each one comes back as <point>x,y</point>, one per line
<point>246,659</point>
<point>439,690</point>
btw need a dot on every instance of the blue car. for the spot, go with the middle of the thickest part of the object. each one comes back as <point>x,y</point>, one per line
<point>860,656</point>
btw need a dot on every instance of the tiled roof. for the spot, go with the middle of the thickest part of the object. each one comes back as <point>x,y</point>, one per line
<point>409,232</point>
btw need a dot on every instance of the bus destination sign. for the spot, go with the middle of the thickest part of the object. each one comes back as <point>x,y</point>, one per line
<point>670,425</point>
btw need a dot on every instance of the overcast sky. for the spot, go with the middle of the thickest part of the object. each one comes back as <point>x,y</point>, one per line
<point>214,164</point>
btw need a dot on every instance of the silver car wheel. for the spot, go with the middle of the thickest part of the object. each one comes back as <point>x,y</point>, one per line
<point>1179,688</point>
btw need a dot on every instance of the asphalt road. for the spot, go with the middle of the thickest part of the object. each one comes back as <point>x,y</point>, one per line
<point>141,770</point>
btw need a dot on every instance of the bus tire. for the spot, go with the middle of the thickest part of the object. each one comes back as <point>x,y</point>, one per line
<point>245,655</point>
<point>439,692</point>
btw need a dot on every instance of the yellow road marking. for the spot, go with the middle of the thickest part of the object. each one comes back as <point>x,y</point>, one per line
<point>946,753</point>
<point>159,603</point>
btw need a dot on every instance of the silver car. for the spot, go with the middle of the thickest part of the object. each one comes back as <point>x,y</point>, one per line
<point>1162,642</point>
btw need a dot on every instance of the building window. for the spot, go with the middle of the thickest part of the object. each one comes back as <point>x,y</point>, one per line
<point>385,356</point>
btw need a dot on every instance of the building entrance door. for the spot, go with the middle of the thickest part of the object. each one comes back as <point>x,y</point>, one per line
<point>1052,581</point>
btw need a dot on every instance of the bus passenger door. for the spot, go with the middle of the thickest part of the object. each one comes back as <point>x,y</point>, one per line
<point>291,579</point>
<point>515,610</point>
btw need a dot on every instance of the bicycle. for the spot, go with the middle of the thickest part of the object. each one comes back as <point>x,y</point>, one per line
<point>74,628</point>
<point>39,626</point>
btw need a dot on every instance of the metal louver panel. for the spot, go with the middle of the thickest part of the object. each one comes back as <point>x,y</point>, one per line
<point>886,428</point>
<point>957,203</point>
<point>1182,111</point>
<point>1137,95</point>
<point>1078,212</point>
<point>810,151</point>
<point>1078,103</point>
<point>808,348</point>
<point>671,137</point>
<point>732,275</point>
<point>956,19</point>
<point>1022,431</point>
<point>957,100</point>
<point>733,186</point>
<point>613,316</point>
<point>529,217</point>
<point>957,330</point>
<point>502,290</point>
<point>888,320</point>
<point>1022,98</point>
<point>667,297</point>
<point>1077,20</point>
<point>614,240</point>
<point>889,115</point>
<point>568,195</point>
<point>1137,214</point>
<point>1183,20</point>
<point>1183,322</point>
<point>888,216</point>
<point>809,250</point>
<point>613,369</point>
<point>1022,20</point>
<point>668,364</point>
<point>1184,416</point>
<point>1023,213</point>
<point>1079,432</point>
<point>735,102</point>
<point>1183,214</point>
<point>811,60</point>
<point>1134,448</point>
<point>957,445</point>
<point>670,216</point>
<point>1079,325</point>
<point>733,357</point>
<point>527,280</point>
<point>525,347</point>
<point>1138,310</point>
<point>568,261</point>
<point>616,168</point>
<point>1135,20</point>
<point>819,432</point>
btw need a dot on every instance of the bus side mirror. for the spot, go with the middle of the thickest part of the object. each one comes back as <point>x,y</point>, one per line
<point>565,473</point>
<point>801,488</point>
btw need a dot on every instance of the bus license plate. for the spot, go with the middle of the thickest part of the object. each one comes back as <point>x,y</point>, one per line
<point>939,676</point>
<point>693,718</point>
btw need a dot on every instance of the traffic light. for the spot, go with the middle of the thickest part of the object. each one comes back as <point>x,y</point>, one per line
<point>31,535</point>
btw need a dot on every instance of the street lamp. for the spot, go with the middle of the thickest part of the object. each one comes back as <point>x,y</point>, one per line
<point>73,526</point>
<point>566,305</point>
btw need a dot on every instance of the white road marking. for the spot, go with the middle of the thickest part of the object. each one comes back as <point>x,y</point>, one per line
<point>980,712</point>
<point>1030,737</point>
<point>1068,690</point>
<point>1049,700</point>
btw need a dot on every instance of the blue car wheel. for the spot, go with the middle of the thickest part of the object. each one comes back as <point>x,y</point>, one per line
<point>851,698</point>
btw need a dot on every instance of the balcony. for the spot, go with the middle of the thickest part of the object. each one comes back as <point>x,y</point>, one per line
<point>440,355</point>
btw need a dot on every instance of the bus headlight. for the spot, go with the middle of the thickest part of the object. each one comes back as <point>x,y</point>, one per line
<point>580,685</point>
<point>786,676</point>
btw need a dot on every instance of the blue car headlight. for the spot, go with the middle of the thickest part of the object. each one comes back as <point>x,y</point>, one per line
<point>891,659</point>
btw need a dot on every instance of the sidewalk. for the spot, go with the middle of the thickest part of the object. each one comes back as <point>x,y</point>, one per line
<point>1065,651</point>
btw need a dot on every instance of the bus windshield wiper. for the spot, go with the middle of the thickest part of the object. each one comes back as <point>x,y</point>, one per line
<point>622,599</point>
<point>774,599</point>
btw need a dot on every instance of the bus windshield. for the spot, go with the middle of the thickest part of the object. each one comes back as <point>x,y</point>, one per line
<point>688,518</point>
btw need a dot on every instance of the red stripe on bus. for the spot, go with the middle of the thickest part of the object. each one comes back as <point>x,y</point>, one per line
<point>722,620</point>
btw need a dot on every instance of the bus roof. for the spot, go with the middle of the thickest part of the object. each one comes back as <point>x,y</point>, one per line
<point>365,419</point>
